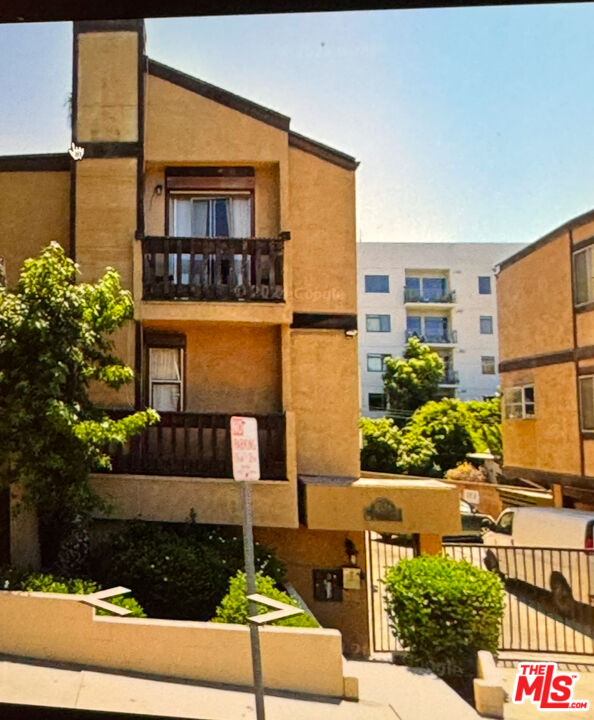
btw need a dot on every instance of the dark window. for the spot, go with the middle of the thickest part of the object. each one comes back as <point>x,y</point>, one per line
<point>505,524</point>
<point>377,401</point>
<point>413,325</point>
<point>583,276</point>
<point>486,325</point>
<point>377,284</point>
<point>377,323</point>
<point>484,283</point>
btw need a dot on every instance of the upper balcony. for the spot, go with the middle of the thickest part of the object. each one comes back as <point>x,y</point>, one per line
<point>188,444</point>
<point>450,378</point>
<point>425,298</point>
<point>444,338</point>
<point>213,269</point>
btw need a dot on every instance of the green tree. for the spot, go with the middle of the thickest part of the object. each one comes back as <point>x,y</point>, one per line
<point>449,426</point>
<point>54,342</point>
<point>380,443</point>
<point>412,380</point>
<point>487,425</point>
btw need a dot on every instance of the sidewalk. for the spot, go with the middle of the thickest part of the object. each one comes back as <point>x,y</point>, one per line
<point>387,692</point>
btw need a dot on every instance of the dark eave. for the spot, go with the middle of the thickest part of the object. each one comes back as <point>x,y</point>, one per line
<point>49,162</point>
<point>217,94</point>
<point>546,239</point>
<point>322,151</point>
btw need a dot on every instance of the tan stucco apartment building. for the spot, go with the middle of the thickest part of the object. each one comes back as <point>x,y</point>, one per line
<point>236,237</point>
<point>545,297</point>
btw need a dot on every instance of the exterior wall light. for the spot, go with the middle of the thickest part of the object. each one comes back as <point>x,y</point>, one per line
<point>158,189</point>
<point>351,333</point>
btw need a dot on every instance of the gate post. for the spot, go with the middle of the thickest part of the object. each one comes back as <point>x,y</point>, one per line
<point>429,543</point>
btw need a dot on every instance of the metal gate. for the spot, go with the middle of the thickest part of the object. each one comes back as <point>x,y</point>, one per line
<point>547,594</point>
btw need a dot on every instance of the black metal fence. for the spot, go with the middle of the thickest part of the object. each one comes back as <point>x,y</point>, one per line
<point>548,594</point>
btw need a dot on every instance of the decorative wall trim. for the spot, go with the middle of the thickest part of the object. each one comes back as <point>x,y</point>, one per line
<point>103,150</point>
<point>217,94</point>
<point>586,242</point>
<point>47,162</point>
<point>563,356</point>
<point>322,151</point>
<point>324,321</point>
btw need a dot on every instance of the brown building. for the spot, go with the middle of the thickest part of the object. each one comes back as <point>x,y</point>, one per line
<point>236,237</point>
<point>545,297</point>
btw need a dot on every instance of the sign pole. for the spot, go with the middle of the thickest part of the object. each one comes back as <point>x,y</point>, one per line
<point>246,469</point>
<point>250,571</point>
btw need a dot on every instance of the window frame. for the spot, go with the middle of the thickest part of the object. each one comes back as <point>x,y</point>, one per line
<point>375,277</point>
<point>159,340</point>
<point>487,358</point>
<point>582,378</point>
<point>521,403</point>
<point>368,317</point>
<point>382,357</point>
<point>490,319</point>
<point>206,194</point>
<point>588,250</point>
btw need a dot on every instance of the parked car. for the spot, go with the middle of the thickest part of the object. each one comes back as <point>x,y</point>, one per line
<point>550,548</point>
<point>474,525</point>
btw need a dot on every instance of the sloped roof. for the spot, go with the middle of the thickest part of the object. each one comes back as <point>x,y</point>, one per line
<point>254,110</point>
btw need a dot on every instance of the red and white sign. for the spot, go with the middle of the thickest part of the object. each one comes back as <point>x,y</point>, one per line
<point>244,448</point>
<point>546,688</point>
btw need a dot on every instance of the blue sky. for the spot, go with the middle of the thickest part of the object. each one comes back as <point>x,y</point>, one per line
<point>471,124</point>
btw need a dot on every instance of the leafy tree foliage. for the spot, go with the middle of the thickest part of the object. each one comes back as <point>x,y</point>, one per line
<point>381,440</point>
<point>412,380</point>
<point>449,426</point>
<point>437,437</point>
<point>54,342</point>
<point>487,425</point>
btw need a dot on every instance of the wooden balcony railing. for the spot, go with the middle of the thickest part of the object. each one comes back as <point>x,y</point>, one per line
<point>198,445</point>
<point>213,268</point>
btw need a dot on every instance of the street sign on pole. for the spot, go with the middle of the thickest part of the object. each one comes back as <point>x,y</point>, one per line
<point>246,469</point>
<point>244,448</point>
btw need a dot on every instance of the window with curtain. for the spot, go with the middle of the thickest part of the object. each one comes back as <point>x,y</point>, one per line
<point>166,379</point>
<point>207,215</point>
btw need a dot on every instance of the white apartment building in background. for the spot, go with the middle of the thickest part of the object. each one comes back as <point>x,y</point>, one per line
<point>444,293</point>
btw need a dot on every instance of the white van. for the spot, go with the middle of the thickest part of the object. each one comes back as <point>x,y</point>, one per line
<point>552,548</point>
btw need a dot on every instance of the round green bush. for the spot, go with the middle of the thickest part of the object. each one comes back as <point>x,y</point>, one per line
<point>31,581</point>
<point>444,611</point>
<point>177,571</point>
<point>234,606</point>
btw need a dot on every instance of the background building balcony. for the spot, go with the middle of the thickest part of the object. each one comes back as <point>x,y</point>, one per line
<point>417,296</point>
<point>213,269</point>
<point>450,377</point>
<point>447,337</point>
<point>198,445</point>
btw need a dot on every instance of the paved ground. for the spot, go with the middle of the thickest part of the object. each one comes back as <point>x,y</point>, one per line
<point>387,692</point>
<point>584,690</point>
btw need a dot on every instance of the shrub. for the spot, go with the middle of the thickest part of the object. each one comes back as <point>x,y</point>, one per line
<point>31,581</point>
<point>466,472</point>
<point>234,606</point>
<point>443,612</point>
<point>381,440</point>
<point>178,571</point>
<point>413,379</point>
